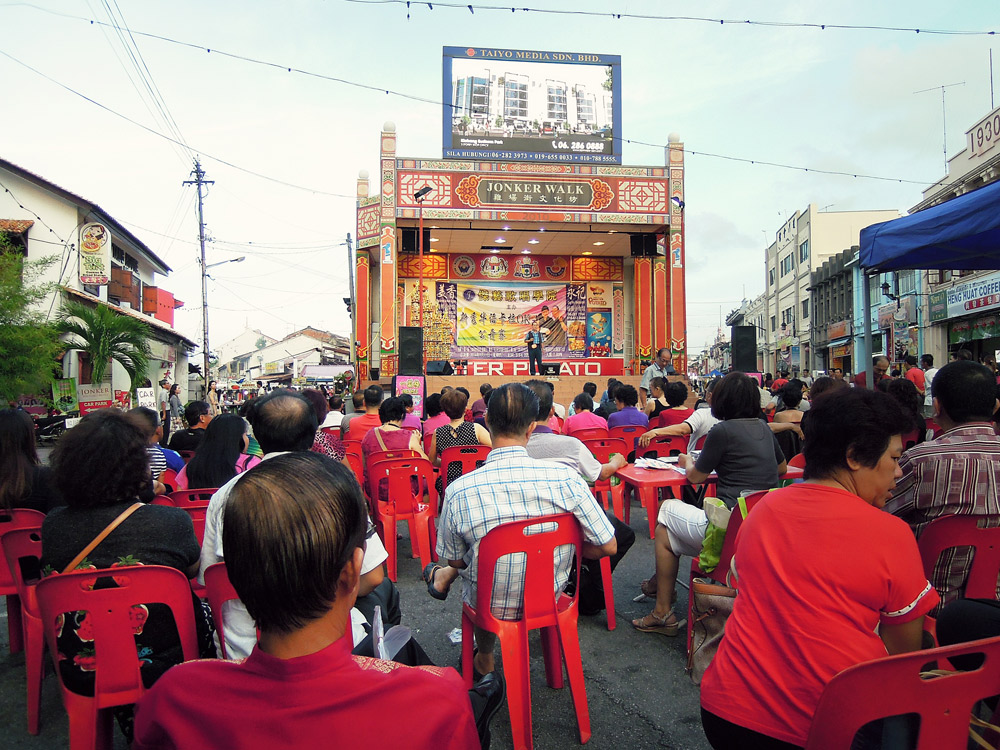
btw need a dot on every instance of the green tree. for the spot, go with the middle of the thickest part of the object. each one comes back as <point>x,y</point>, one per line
<point>28,344</point>
<point>105,335</point>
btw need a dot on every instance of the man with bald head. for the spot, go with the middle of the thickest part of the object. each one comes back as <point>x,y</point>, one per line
<point>880,366</point>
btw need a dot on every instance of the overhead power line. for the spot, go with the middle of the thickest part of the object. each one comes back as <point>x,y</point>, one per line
<point>625,15</point>
<point>437,102</point>
<point>167,137</point>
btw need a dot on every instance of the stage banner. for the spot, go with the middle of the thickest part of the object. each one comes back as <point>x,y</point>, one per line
<point>491,320</point>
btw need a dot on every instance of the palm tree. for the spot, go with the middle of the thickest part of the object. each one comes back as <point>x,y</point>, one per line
<point>104,335</point>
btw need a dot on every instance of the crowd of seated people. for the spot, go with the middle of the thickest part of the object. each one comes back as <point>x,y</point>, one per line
<point>317,602</point>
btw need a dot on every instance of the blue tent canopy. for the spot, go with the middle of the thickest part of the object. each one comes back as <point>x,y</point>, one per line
<point>960,234</point>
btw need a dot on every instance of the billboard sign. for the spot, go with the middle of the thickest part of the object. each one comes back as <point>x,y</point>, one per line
<point>531,105</point>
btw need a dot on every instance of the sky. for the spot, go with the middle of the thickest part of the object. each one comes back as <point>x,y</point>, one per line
<point>284,147</point>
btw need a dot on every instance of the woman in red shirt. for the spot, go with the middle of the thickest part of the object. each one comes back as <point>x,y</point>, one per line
<point>826,579</point>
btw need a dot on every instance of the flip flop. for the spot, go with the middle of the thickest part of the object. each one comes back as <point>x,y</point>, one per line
<point>429,570</point>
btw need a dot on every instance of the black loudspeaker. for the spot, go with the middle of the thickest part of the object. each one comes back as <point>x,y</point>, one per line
<point>411,350</point>
<point>440,367</point>
<point>643,245</point>
<point>744,348</point>
<point>373,374</point>
<point>550,369</point>
<point>409,239</point>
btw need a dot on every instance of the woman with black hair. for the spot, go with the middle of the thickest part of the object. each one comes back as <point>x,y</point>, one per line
<point>220,456</point>
<point>101,466</point>
<point>827,579</point>
<point>675,394</point>
<point>24,483</point>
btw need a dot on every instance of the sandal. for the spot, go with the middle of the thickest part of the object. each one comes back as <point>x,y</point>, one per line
<point>428,574</point>
<point>653,624</point>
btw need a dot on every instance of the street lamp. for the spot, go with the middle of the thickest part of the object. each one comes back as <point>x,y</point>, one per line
<point>204,308</point>
<point>420,196</point>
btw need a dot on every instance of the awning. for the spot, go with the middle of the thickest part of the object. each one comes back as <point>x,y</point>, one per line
<point>837,342</point>
<point>961,234</point>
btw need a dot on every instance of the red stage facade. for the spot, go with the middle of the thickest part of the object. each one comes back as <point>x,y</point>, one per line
<point>595,252</point>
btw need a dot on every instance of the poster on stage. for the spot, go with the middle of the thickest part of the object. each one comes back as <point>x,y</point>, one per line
<point>492,319</point>
<point>599,333</point>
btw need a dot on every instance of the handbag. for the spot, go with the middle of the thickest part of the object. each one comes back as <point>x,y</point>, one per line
<point>712,603</point>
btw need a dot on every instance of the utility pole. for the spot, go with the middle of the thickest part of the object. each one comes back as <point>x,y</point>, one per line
<point>199,179</point>
<point>352,355</point>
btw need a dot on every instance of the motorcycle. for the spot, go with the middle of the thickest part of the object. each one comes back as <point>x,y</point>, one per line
<point>48,429</point>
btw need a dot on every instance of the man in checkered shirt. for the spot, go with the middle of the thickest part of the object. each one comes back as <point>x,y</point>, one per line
<point>511,486</point>
<point>957,473</point>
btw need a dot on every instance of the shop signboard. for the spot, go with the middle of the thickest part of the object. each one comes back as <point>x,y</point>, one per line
<point>64,395</point>
<point>838,330</point>
<point>95,254</point>
<point>978,295</point>
<point>94,397</point>
<point>531,105</point>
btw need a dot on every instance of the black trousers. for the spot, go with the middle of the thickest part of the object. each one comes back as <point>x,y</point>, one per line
<point>591,585</point>
<point>535,360</point>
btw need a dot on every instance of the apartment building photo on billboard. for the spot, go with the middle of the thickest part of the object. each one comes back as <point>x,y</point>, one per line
<point>532,105</point>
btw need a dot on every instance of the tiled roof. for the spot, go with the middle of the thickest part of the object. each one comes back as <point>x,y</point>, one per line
<point>15,226</point>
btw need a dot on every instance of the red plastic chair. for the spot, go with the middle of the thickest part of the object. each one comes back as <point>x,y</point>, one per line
<point>946,532</point>
<point>721,571</point>
<point>19,545</point>
<point>910,439</point>
<point>353,446</point>
<point>555,613</point>
<point>591,433</point>
<point>934,427</point>
<point>611,497</point>
<point>18,518</point>
<point>118,679</point>
<point>195,502</point>
<point>470,456</point>
<point>220,591</point>
<point>169,479</point>
<point>663,447</point>
<point>403,505</point>
<point>629,433</point>
<point>798,461</point>
<point>377,474</point>
<point>357,466</point>
<point>892,686</point>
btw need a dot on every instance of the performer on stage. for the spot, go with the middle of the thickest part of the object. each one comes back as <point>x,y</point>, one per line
<point>533,339</point>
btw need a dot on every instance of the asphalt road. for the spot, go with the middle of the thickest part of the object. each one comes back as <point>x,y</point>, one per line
<point>638,694</point>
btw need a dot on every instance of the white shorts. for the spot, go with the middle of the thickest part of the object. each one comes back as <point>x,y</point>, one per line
<point>685,525</point>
